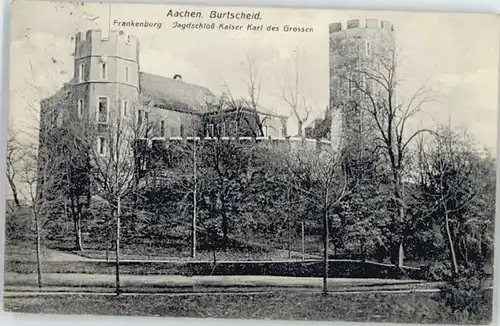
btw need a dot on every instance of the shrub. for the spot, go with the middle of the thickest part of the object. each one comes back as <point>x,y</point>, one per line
<point>465,294</point>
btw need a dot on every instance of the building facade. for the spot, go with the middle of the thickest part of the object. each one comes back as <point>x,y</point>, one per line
<point>108,85</point>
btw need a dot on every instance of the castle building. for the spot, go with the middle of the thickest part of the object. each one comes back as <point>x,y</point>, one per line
<point>108,85</point>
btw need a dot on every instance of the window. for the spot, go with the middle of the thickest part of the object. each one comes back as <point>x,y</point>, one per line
<point>103,71</point>
<point>264,130</point>
<point>162,128</point>
<point>365,86</point>
<point>182,131</point>
<point>139,117</point>
<point>223,129</point>
<point>350,86</point>
<point>368,48</point>
<point>102,110</point>
<point>81,72</point>
<point>233,128</point>
<point>101,146</point>
<point>282,132</point>
<point>80,108</point>
<point>125,108</point>
<point>210,130</point>
<point>340,84</point>
<point>126,74</point>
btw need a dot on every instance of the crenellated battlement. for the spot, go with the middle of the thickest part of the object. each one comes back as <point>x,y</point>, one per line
<point>361,23</point>
<point>117,43</point>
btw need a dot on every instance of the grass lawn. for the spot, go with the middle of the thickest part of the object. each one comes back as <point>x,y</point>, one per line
<point>26,252</point>
<point>409,308</point>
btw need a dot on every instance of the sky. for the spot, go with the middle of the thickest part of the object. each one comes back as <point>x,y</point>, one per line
<point>456,54</point>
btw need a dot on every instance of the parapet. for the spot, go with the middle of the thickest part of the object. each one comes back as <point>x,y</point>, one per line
<point>95,35</point>
<point>93,42</point>
<point>358,23</point>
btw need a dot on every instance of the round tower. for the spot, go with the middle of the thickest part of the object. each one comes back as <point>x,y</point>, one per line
<point>356,48</point>
<point>106,75</point>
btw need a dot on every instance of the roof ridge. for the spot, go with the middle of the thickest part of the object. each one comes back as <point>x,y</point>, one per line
<point>180,82</point>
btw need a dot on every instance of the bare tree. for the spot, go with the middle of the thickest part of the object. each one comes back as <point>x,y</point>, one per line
<point>323,180</point>
<point>453,179</point>
<point>47,107</point>
<point>115,143</point>
<point>293,94</point>
<point>247,111</point>
<point>187,168</point>
<point>13,163</point>
<point>41,166</point>
<point>373,88</point>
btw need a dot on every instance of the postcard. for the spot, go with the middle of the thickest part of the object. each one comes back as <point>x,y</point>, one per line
<point>251,162</point>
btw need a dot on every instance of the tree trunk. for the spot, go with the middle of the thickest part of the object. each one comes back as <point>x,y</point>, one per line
<point>14,193</point>
<point>78,234</point>
<point>400,235</point>
<point>289,231</point>
<point>325,245</point>
<point>299,126</point>
<point>224,225</point>
<point>401,254</point>
<point>108,241</point>
<point>38,252</point>
<point>117,254</point>
<point>303,243</point>
<point>450,242</point>
<point>399,220</point>
<point>195,202</point>
<point>193,229</point>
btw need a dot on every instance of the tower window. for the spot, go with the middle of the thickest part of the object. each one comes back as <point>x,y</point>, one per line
<point>139,117</point>
<point>340,84</point>
<point>80,108</point>
<point>125,108</point>
<point>103,71</point>
<point>182,131</point>
<point>223,129</point>
<point>162,128</point>
<point>101,146</point>
<point>81,72</point>
<point>282,132</point>
<point>102,110</point>
<point>233,128</point>
<point>210,130</point>
<point>368,48</point>
<point>126,74</point>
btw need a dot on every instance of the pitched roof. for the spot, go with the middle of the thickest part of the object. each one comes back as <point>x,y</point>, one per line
<point>244,105</point>
<point>173,94</point>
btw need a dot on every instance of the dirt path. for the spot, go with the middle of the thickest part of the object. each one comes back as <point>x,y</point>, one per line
<point>106,280</point>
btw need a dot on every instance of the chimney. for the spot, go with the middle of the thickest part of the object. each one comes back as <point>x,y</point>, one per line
<point>177,77</point>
